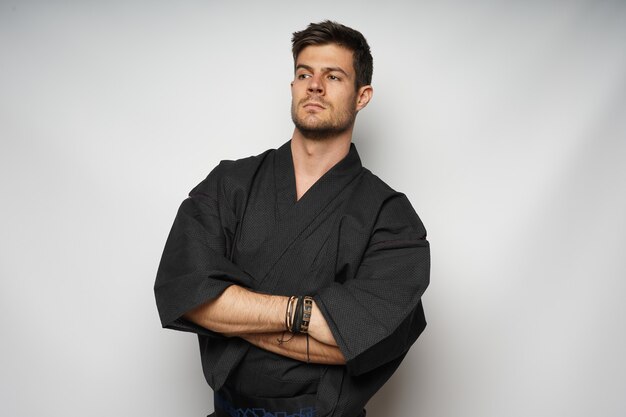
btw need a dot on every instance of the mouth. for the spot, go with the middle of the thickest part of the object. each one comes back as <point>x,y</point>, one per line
<point>313,105</point>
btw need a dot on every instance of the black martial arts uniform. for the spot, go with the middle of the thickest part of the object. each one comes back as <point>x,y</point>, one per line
<point>351,242</point>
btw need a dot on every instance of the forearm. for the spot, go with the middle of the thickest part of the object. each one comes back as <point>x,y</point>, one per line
<point>240,311</point>
<point>296,347</point>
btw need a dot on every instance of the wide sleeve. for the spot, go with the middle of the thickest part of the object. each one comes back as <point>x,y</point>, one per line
<point>377,315</point>
<point>195,265</point>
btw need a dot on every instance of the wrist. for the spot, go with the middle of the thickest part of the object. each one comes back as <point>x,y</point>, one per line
<point>298,314</point>
<point>314,323</point>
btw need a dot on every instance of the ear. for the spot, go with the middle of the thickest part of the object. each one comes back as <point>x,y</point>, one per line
<point>363,96</point>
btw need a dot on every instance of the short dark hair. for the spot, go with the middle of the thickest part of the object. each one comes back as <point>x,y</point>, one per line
<point>328,32</point>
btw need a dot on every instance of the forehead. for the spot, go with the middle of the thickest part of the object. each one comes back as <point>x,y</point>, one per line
<point>326,56</point>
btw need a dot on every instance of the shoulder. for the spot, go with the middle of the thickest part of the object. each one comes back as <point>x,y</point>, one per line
<point>373,192</point>
<point>393,208</point>
<point>240,169</point>
<point>230,175</point>
<point>376,185</point>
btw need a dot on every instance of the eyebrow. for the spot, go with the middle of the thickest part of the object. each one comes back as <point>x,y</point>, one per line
<point>325,69</point>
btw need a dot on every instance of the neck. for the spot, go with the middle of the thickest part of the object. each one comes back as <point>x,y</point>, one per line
<point>313,158</point>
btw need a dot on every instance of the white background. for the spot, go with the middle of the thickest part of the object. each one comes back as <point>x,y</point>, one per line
<point>503,121</point>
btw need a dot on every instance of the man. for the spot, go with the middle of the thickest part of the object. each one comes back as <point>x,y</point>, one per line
<point>300,271</point>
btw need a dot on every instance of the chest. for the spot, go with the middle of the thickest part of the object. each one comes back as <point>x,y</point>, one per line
<point>298,247</point>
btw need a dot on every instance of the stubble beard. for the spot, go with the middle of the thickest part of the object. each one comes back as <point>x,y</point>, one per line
<point>316,129</point>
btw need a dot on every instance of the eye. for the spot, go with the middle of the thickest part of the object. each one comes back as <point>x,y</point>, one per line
<point>333,78</point>
<point>303,76</point>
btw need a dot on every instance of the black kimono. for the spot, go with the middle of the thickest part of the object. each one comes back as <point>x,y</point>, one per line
<point>351,242</point>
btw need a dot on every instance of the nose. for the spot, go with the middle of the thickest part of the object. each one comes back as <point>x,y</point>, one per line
<point>315,85</point>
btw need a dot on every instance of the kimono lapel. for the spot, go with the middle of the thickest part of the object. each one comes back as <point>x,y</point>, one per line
<point>292,216</point>
<point>284,182</point>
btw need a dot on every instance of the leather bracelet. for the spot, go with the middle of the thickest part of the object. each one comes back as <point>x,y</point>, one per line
<point>307,308</point>
<point>297,316</point>
<point>302,308</point>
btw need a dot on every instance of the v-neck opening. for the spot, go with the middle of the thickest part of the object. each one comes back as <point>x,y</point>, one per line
<point>285,217</point>
<point>285,175</point>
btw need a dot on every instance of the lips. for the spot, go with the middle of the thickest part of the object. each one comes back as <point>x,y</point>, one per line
<point>314,105</point>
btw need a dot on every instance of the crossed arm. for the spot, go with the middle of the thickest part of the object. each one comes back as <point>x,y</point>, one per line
<point>260,320</point>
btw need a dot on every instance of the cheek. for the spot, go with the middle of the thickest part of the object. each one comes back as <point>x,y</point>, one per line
<point>350,100</point>
<point>297,92</point>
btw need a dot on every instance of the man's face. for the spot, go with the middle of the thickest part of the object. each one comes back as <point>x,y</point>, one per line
<point>324,102</point>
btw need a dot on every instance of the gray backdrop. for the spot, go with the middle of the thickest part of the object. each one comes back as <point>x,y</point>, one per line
<point>503,121</point>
